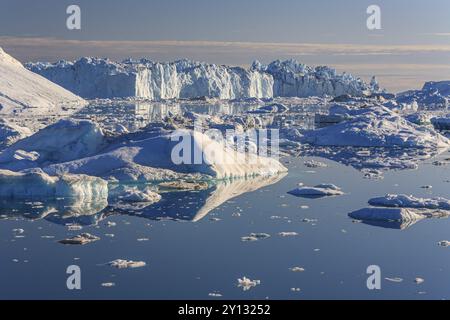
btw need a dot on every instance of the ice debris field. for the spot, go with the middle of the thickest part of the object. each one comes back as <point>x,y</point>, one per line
<point>79,139</point>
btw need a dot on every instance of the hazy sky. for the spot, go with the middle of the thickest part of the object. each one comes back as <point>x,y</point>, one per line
<point>413,45</point>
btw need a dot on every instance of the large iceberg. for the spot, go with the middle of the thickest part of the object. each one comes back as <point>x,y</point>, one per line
<point>375,126</point>
<point>434,95</point>
<point>80,147</point>
<point>23,91</point>
<point>103,78</point>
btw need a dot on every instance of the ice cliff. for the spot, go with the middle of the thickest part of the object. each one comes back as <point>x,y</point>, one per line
<point>22,91</point>
<point>103,78</point>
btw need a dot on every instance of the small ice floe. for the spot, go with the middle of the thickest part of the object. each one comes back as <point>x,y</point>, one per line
<point>215,294</point>
<point>18,231</point>
<point>122,264</point>
<point>109,235</point>
<point>246,284</point>
<point>297,269</point>
<point>47,237</point>
<point>74,227</point>
<point>405,201</point>
<point>255,237</point>
<point>444,243</point>
<point>314,164</point>
<point>304,207</point>
<point>111,224</point>
<point>142,239</point>
<point>108,284</point>
<point>295,289</point>
<point>419,280</point>
<point>288,234</point>
<point>427,187</point>
<point>82,239</point>
<point>395,279</point>
<point>320,190</point>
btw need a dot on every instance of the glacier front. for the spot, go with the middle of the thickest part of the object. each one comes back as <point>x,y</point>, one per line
<point>103,78</point>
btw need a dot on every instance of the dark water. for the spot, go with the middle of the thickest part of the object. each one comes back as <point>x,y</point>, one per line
<point>189,259</point>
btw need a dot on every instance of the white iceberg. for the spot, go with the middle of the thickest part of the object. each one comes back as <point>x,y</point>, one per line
<point>37,184</point>
<point>376,127</point>
<point>147,151</point>
<point>434,95</point>
<point>405,201</point>
<point>25,92</point>
<point>324,189</point>
<point>386,214</point>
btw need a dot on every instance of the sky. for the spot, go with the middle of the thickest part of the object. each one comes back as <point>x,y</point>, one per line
<point>412,46</point>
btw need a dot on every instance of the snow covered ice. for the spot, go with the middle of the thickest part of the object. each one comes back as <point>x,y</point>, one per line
<point>25,92</point>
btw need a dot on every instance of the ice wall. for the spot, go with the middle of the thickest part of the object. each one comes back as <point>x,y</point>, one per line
<point>103,78</point>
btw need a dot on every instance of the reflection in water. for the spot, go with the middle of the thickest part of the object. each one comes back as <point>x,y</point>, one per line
<point>182,205</point>
<point>399,225</point>
<point>195,205</point>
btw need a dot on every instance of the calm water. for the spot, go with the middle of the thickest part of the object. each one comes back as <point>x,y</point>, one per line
<point>194,245</point>
<point>189,260</point>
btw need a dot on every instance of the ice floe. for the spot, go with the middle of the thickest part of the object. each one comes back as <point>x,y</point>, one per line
<point>409,201</point>
<point>37,184</point>
<point>246,283</point>
<point>320,190</point>
<point>81,239</point>
<point>123,264</point>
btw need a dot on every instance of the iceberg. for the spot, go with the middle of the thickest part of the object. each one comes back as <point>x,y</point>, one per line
<point>60,142</point>
<point>25,92</point>
<point>321,190</point>
<point>434,95</point>
<point>405,201</point>
<point>38,184</point>
<point>375,126</point>
<point>386,214</point>
<point>102,78</point>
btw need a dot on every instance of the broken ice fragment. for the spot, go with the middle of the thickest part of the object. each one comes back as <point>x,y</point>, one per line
<point>246,284</point>
<point>122,264</point>
<point>82,239</point>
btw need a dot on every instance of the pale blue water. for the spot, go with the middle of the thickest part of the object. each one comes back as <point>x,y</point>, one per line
<point>189,260</point>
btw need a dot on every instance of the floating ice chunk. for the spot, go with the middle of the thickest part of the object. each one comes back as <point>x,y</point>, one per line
<point>255,237</point>
<point>82,239</point>
<point>297,269</point>
<point>377,127</point>
<point>288,234</point>
<point>246,284</point>
<point>444,243</point>
<point>324,189</point>
<point>215,294</point>
<point>386,214</point>
<point>405,201</point>
<point>122,264</point>
<point>396,279</point>
<point>314,164</point>
<point>419,280</point>
<point>108,284</point>
<point>134,194</point>
<point>36,183</point>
